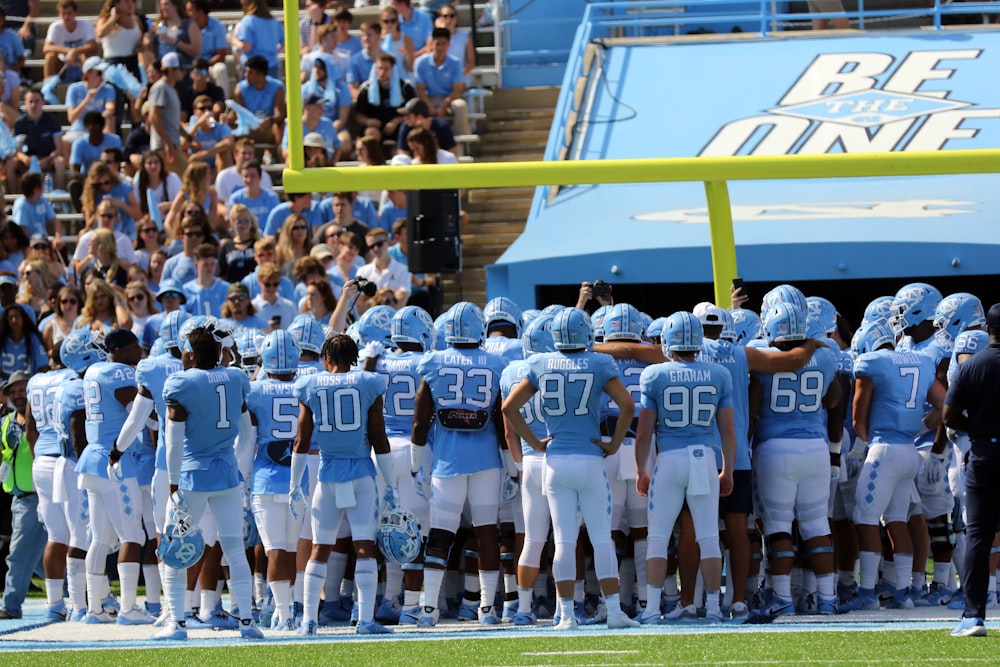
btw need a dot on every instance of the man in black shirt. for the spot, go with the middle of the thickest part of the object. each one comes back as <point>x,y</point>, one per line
<point>195,84</point>
<point>375,112</point>
<point>43,133</point>
<point>418,114</point>
<point>971,407</point>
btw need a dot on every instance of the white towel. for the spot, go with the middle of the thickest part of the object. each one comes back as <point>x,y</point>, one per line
<point>627,468</point>
<point>344,495</point>
<point>60,494</point>
<point>699,461</point>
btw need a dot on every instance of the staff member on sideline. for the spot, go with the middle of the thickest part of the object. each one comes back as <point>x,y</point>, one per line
<point>970,406</point>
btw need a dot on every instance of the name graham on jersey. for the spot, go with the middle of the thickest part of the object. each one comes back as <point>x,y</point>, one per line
<point>690,375</point>
<point>563,364</point>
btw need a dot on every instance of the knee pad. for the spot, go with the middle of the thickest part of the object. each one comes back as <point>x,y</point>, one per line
<point>657,547</point>
<point>438,547</point>
<point>709,547</point>
<point>819,551</point>
<point>531,554</point>
<point>942,538</point>
<point>776,537</point>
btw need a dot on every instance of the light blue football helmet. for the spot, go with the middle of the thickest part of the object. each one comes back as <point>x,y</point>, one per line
<point>824,312</point>
<point>189,325</point>
<point>439,343</point>
<point>879,309</point>
<point>181,544</point>
<point>682,332</point>
<point>655,328</point>
<point>537,336</point>
<point>308,333</point>
<point>247,347</point>
<point>170,328</point>
<point>279,353</point>
<point>413,324</point>
<point>398,533</point>
<point>80,349</point>
<point>464,324</point>
<point>597,319</point>
<point>503,309</point>
<point>623,322</point>
<point>376,324</point>
<point>872,336</point>
<point>746,325</point>
<point>529,315</point>
<point>913,304</point>
<point>572,329</point>
<point>956,313</point>
<point>785,322</point>
<point>785,294</point>
<point>552,309</point>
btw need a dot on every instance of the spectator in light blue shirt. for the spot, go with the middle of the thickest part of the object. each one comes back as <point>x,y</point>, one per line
<point>91,94</point>
<point>258,34</point>
<point>264,96</point>
<point>33,211</point>
<point>87,148</point>
<point>313,120</point>
<point>441,82</point>
<point>259,201</point>
<point>414,23</point>
<point>214,44</point>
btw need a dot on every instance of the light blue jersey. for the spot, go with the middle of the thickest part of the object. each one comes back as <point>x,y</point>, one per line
<point>967,342</point>
<point>151,374</point>
<point>571,388</point>
<point>733,358</point>
<point>465,386</point>
<point>932,347</point>
<point>900,382</point>
<point>42,390</point>
<point>213,400</point>
<point>792,405</point>
<point>629,371</point>
<point>105,416</point>
<point>686,397</point>
<point>531,411</point>
<point>339,403</point>
<point>275,408</point>
<point>508,349</point>
<point>68,401</point>
<point>399,370</point>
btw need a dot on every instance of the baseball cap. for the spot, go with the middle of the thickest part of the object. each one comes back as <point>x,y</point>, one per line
<point>94,62</point>
<point>15,377</point>
<point>313,99</point>
<point>7,279</point>
<point>40,239</point>
<point>415,106</point>
<point>710,314</point>
<point>118,339</point>
<point>170,286</point>
<point>314,139</point>
<point>321,251</point>
<point>170,60</point>
<point>993,316</point>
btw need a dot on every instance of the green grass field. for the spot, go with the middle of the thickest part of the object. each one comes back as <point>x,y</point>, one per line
<point>723,648</point>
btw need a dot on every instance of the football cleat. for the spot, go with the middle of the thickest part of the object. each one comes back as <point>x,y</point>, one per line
<point>739,612</point>
<point>970,627</point>
<point>650,618</point>
<point>56,612</point>
<point>172,631</point>
<point>154,608</point>
<point>307,629</point>
<point>807,604</point>
<point>566,624</point>
<point>487,616</point>
<point>287,625</point>
<point>901,600</point>
<point>509,611</point>
<point>136,616</point>
<point>542,607</point>
<point>334,612</point>
<point>372,628</point>
<point>110,605</point>
<point>714,618</point>
<point>846,592</point>
<point>525,619</point>
<point>388,611</point>
<point>428,617</point>
<point>99,617</point>
<point>409,615</point>
<point>620,620</point>
<point>78,615</point>
<point>779,607</point>
<point>469,611</point>
<point>827,606</point>
<point>681,613</point>
<point>957,600</point>
<point>937,595</point>
<point>249,629</point>
<point>991,600</point>
<point>864,600</point>
<point>670,602</point>
<point>222,620</point>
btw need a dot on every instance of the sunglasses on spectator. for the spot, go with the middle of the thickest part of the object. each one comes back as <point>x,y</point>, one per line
<point>203,72</point>
<point>149,230</point>
<point>105,184</point>
<point>272,284</point>
<point>41,246</point>
<point>137,297</point>
<point>447,16</point>
<point>109,215</point>
<point>194,234</point>
<point>236,298</point>
<point>377,244</point>
<point>203,108</point>
<point>300,228</point>
<point>389,21</point>
<point>69,301</point>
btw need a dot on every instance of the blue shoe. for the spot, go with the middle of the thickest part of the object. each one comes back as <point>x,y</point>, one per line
<point>78,615</point>
<point>670,603</point>
<point>194,622</point>
<point>98,618</point>
<point>739,613</point>
<point>49,89</point>
<point>779,607</point>
<point>827,606</point>
<point>600,616</point>
<point>865,600</point>
<point>650,618</point>
<point>509,611</point>
<point>428,617</point>
<point>221,620</point>
<point>297,612</point>
<point>469,611</point>
<point>957,600</point>
<point>682,614</point>
<point>409,615</point>
<point>525,619</point>
<point>487,616</point>
<point>372,628</point>
<point>110,605</point>
<point>57,612</point>
<point>287,625</point>
<point>332,612</point>
<point>172,631</point>
<point>307,629</point>
<point>937,595</point>
<point>249,629</point>
<point>388,612</point>
<point>846,592</point>
<point>970,627</point>
<point>901,600</point>
<point>885,592</point>
<point>154,608</point>
<point>266,612</point>
<point>543,608</point>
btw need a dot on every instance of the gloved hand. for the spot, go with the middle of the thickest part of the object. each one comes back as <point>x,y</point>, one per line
<point>297,503</point>
<point>421,485</point>
<point>509,490</point>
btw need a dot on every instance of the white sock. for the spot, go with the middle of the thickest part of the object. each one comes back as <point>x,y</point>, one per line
<point>919,580</point>
<point>151,573</point>
<point>282,593</point>
<point>53,591</point>
<point>366,578</point>
<point>315,577</point>
<point>541,589</point>
<point>433,578</point>
<point>712,603</point>
<point>654,595</point>
<point>297,589</point>
<point>614,604</point>
<point>128,574</point>
<point>826,584</point>
<point>566,608</point>
<point>488,580</point>
<point>411,599</point>
<point>847,577</point>
<point>782,584</point>
<point>869,568</point>
<point>524,598</point>
<point>509,586</point>
<point>347,587</point>
<point>76,582</point>
<point>904,570</point>
<point>336,566</point>
<point>670,585</point>
<point>579,593</point>
<point>259,587</point>
<point>174,583</point>
<point>942,574</point>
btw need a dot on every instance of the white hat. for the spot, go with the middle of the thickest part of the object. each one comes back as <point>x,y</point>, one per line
<point>710,314</point>
<point>170,60</point>
<point>94,62</point>
<point>314,140</point>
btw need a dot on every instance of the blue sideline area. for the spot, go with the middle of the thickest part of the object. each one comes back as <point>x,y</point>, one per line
<point>906,90</point>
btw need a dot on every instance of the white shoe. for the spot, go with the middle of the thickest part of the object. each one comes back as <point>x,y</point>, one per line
<point>620,620</point>
<point>171,631</point>
<point>135,616</point>
<point>568,623</point>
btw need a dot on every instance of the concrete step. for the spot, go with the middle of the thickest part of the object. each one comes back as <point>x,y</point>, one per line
<point>501,194</point>
<point>499,217</point>
<point>519,204</point>
<point>488,228</point>
<point>513,157</point>
<point>512,147</point>
<point>521,114</point>
<point>494,124</point>
<point>492,239</point>
<point>507,137</point>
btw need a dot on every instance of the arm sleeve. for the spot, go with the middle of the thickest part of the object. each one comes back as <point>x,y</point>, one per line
<point>245,441</point>
<point>175,450</point>
<point>142,407</point>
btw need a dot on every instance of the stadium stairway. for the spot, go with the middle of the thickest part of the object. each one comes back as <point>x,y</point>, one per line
<point>516,129</point>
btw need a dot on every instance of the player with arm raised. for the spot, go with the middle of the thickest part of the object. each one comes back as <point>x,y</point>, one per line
<point>571,381</point>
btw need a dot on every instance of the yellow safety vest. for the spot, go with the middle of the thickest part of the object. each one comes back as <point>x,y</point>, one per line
<point>16,453</point>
